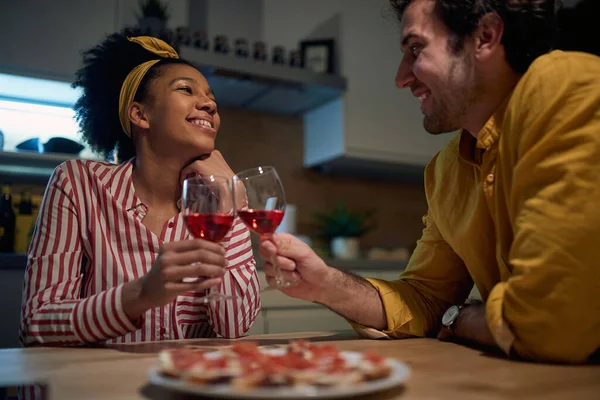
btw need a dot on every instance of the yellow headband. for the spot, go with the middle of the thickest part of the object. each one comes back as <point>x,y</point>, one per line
<point>134,78</point>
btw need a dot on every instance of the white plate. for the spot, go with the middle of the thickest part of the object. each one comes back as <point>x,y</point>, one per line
<point>398,376</point>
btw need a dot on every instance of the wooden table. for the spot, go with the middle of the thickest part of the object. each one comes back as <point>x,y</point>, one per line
<point>439,370</point>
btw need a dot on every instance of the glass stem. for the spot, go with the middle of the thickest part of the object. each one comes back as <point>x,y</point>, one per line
<point>279,281</point>
<point>214,295</point>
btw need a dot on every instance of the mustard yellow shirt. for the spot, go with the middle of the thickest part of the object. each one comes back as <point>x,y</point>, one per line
<point>517,212</point>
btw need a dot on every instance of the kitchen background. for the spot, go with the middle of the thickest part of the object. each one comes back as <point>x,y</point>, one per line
<point>350,135</point>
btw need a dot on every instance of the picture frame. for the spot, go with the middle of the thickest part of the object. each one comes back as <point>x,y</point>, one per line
<point>317,55</point>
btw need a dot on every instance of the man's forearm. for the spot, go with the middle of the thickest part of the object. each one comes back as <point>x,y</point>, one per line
<point>354,298</point>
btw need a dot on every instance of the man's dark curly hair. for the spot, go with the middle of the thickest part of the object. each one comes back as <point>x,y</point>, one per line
<point>529,25</point>
<point>104,69</point>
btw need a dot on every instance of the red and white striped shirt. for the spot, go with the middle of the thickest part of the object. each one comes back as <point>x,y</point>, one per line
<point>90,240</point>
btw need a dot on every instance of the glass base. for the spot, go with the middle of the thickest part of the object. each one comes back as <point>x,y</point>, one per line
<point>284,284</point>
<point>280,283</point>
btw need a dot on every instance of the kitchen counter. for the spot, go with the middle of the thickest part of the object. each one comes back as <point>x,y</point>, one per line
<point>439,370</point>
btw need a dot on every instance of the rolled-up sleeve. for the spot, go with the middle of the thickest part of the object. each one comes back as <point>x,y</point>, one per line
<point>549,309</point>
<point>435,278</point>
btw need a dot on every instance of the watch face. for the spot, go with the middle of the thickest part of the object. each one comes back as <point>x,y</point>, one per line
<point>450,315</point>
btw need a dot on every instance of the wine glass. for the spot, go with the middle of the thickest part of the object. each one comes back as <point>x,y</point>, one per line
<point>263,207</point>
<point>208,212</point>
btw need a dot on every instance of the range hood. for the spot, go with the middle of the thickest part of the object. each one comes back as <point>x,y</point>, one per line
<point>345,165</point>
<point>263,86</point>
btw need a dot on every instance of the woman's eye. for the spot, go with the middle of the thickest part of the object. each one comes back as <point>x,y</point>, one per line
<point>186,89</point>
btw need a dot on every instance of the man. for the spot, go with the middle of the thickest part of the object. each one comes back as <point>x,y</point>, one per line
<point>513,200</point>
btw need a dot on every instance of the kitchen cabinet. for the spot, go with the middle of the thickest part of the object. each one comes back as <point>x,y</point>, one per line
<point>60,30</point>
<point>304,320</point>
<point>282,314</point>
<point>259,326</point>
<point>44,38</point>
<point>11,283</point>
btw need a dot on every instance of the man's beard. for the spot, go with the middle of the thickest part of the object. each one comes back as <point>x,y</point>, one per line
<point>452,106</point>
<point>446,117</point>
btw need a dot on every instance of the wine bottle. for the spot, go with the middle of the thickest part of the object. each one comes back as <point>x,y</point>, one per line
<point>7,221</point>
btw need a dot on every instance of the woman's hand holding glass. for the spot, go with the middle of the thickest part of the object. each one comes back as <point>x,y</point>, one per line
<point>209,210</point>
<point>166,279</point>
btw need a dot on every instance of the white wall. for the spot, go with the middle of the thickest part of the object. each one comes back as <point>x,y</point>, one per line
<point>127,9</point>
<point>235,19</point>
<point>286,22</point>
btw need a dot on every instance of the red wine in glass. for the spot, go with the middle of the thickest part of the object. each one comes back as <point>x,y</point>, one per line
<point>212,227</point>
<point>261,206</point>
<point>261,221</point>
<point>209,210</point>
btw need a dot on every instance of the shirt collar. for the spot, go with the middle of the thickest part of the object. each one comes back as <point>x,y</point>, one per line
<point>471,149</point>
<point>467,149</point>
<point>121,186</point>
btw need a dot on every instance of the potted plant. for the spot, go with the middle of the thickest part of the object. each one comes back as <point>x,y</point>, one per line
<point>342,228</point>
<point>154,16</point>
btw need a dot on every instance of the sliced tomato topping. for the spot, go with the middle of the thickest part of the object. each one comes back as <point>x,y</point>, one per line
<point>296,361</point>
<point>374,358</point>
<point>215,363</point>
<point>245,348</point>
<point>184,359</point>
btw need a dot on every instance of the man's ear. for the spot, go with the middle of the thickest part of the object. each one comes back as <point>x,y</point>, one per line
<point>138,116</point>
<point>488,36</point>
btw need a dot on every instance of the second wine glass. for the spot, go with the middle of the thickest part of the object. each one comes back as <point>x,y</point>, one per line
<point>261,205</point>
<point>208,210</point>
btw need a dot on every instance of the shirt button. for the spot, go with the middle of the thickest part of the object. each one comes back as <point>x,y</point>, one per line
<point>171,224</point>
<point>162,330</point>
<point>490,178</point>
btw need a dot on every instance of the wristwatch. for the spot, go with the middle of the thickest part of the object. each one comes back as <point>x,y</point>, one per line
<point>450,316</point>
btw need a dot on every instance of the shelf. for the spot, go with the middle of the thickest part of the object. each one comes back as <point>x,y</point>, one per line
<point>30,167</point>
<point>263,86</point>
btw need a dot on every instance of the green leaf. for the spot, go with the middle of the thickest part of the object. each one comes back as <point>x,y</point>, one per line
<point>341,222</point>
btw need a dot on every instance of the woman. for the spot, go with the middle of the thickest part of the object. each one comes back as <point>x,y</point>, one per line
<point>110,249</point>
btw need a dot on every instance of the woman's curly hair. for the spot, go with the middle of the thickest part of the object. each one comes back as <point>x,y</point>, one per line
<point>104,69</point>
<point>530,26</point>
